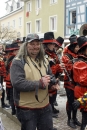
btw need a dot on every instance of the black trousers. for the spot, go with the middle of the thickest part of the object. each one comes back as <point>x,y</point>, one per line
<point>3,97</point>
<point>3,92</point>
<point>84,120</point>
<point>52,100</point>
<point>37,118</point>
<point>12,100</point>
<point>71,113</point>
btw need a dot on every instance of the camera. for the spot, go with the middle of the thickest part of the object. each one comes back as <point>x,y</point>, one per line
<point>53,80</point>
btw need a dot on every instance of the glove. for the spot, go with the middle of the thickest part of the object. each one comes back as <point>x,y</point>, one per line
<point>76,104</point>
<point>83,99</point>
<point>85,96</point>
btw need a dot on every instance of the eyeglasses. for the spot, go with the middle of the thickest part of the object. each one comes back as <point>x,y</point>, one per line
<point>35,43</point>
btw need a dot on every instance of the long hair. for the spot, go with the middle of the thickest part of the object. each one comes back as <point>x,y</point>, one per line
<point>23,53</point>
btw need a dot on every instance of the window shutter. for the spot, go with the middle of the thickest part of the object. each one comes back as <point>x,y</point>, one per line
<point>27,14</point>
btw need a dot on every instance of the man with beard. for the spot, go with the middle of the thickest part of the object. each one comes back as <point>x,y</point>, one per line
<point>31,79</point>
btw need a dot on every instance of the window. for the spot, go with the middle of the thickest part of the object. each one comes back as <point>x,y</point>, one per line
<point>72,17</point>
<point>28,6</point>
<point>53,1</point>
<point>53,23</point>
<point>11,8</point>
<point>18,4</point>
<point>20,21</point>
<point>38,26</point>
<point>28,28</point>
<point>14,6</point>
<point>14,23</point>
<point>38,4</point>
<point>8,9</point>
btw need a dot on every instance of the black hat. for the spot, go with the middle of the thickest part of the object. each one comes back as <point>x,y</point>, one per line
<point>11,47</point>
<point>49,38</point>
<point>23,39</point>
<point>60,41</point>
<point>7,48</point>
<point>82,41</point>
<point>73,39</point>
<point>31,37</point>
<point>14,46</point>
<point>18,39</point>
<point>41,39</point>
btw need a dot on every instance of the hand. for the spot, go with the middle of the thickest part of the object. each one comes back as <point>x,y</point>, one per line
<point>62,65</point>
<point>85,96</point>
<point>76,104</point>
<point>57,87</point>
<point>46,80</point>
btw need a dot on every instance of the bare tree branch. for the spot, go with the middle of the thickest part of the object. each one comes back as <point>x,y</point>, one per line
<point>7,34</point>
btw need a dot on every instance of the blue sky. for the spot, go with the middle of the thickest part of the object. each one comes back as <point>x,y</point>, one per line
<point>2,7</point>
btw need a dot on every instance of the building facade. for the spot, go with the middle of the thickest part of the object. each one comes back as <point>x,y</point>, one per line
<point>14,17</point>
<point>41,16</point>
<point>76,17</point>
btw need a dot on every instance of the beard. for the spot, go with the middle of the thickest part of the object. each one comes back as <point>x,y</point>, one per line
<point>34,53</point>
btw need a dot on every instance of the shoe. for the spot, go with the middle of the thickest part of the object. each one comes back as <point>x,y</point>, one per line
<point>55,111</point>
<point>77,122</point>
<point>6,106</point>
<point>71,124</point>
<point>54,115</point>
<point>55,103</point>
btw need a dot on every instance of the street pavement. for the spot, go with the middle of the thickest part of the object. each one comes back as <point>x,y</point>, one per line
<point>11,123</point>
<point>61,122</point>
<point>8,123</point>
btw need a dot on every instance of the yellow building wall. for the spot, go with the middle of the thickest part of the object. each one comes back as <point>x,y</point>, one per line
<point>4,21</point>
<point>45,12</point>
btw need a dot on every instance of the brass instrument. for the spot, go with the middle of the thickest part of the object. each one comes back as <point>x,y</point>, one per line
<point>83,30</point>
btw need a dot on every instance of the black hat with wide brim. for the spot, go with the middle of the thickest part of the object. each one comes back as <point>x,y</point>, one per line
<point>11,47</point>
<point>82,42</point>
<point>60,41</point>
<point>49,38</point>
<point>73,39</point>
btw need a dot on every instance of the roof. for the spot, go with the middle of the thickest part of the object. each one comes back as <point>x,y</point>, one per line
<point>11,13</point>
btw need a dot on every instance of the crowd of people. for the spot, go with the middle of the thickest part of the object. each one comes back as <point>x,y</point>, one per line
<point>32,71</point>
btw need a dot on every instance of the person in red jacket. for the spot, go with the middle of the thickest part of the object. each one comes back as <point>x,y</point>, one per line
<point>13,49</point>
<point>2,77</point>
<point>80,77</point>
<point>49,42</point>
<point>69,53</point>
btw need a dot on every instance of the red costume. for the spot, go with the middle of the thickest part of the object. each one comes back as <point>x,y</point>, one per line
<point>54,64</point>
<point>80,76</point>
<point>67,60</point>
